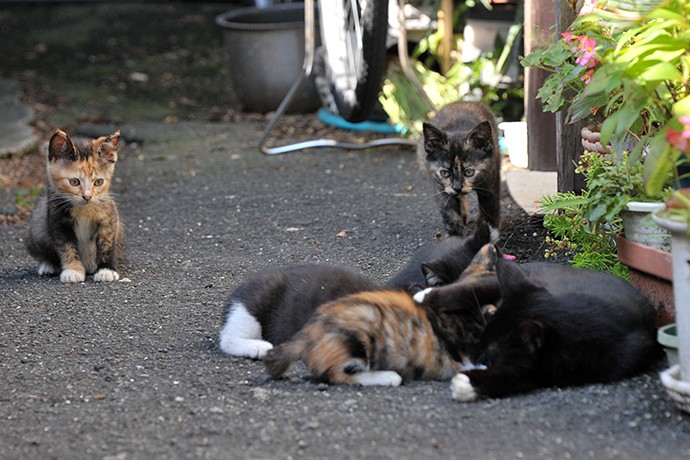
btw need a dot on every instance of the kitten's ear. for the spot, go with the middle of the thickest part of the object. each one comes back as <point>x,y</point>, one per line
<point>486,257</point>
<point>513,280</point>
<point>435,273</point>
<point>480,137</point>
<point>434,138</point>
<point>107,147</point>
<point>531,333</point>
<point>61,147</point>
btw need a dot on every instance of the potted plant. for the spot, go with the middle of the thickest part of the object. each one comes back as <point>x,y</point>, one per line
<point>592,227</point>
<point>618,66</point>
<point>652,58</point>
<point>624,68</point>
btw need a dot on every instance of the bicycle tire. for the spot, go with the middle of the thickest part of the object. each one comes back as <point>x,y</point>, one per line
<point>353,48</point>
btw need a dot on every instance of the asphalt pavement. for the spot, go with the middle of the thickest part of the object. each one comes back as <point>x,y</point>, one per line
<point>131,370</point>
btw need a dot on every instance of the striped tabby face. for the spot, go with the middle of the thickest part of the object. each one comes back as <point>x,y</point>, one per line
<point>82,171</point>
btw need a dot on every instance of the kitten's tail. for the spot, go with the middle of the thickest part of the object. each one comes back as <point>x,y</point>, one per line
<point>279,359</point>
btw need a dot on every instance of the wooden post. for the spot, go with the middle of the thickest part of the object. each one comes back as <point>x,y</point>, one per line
<point>541,126</point>
<point>568,138</point>
<point>445,26</point>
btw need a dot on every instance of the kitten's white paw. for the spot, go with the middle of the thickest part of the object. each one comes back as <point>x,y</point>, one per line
<point>106,274</point>
<point>419,297</point>
<point>46,269</point>
<point>462,389</point>
<point>245,348</point>
<point>378,378</point>
<point>241,334</point>
<point>72,276</point>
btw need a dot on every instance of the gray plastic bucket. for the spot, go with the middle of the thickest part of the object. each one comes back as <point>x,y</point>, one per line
<point>265,55</point>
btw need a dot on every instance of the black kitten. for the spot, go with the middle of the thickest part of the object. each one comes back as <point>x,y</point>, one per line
<point>439,262</point>
<point>556,326</point>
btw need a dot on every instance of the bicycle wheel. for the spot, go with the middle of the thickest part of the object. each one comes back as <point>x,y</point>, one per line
<point>353,53</point>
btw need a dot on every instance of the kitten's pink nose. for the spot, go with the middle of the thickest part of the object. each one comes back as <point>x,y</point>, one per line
<point>86,196</point>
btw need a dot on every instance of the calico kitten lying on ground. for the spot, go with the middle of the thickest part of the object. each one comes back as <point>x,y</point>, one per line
<point>75,228</point>
<point>382,338</point>
<point>459,151</point>
<point>556,326</point>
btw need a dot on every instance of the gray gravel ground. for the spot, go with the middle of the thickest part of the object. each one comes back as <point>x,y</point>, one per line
<point>130,370</point>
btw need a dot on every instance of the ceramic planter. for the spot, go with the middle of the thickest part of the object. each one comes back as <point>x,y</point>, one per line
<point>651,274</point>
<point>645,248</point>
<point>259,41</point>
<point>638,225</point>
<point>677,378</point>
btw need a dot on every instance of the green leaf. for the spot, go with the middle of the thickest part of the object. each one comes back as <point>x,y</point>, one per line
<point>682,107</point>
<point>658,164</point>
<point>665,13</point>
<point>552,203</point>
<point>663,43</point>
<point>609,127</point>
<point>659,71</point>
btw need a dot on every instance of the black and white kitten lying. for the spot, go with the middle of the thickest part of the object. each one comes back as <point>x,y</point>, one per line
<point>271,306</point>
<point>555,325</point>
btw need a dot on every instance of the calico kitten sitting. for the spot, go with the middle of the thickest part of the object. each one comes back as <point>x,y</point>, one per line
<point>381,338</point>
<point>556,326</point>
<point>460,153</point>
<point>271,306</point>
<point>75,228</point>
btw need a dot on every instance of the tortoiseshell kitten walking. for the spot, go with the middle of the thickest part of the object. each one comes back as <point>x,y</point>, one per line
<point>459,151</point>
<point>75,228</point>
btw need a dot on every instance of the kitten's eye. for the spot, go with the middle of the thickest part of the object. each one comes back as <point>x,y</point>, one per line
<point>469,172</point>
<point>98,182</point>
<point>74,182</point>
<point>444,173</point>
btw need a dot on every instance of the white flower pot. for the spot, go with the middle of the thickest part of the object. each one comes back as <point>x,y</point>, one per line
<point>638,225</point>
<point>680,252</point>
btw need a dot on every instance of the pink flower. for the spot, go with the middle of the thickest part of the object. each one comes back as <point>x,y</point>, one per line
<point>568,37</point>
<point>587,44</point>
<point>587,47</point>
<point>587,77</point>
<point>676,139</point>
